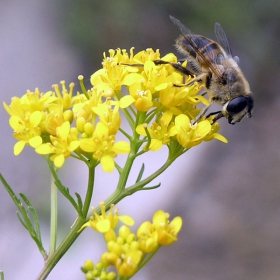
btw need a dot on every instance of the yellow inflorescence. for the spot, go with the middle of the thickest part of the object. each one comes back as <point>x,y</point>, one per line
<point>127,251</point>
<point>85,125</point>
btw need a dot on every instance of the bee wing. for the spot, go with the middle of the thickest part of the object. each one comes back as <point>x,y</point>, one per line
<point>222,38</point>
<point>206,54</point>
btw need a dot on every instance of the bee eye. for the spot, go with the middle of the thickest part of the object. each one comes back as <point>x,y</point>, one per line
<point>237,104</point>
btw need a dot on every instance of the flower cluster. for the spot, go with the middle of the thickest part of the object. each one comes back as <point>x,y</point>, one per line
<point>127,251</point>
<point>157,105</point>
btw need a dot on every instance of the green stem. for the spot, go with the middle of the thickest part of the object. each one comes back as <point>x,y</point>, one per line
<point>62,249</point>
<point>91,176</point>
<point>139,185</point>
<point>145,261</point>
<point>118,194</point>
<point>53,226</point>
<point>59,185</point>
<point>121,192</point>
<point>55,256</point>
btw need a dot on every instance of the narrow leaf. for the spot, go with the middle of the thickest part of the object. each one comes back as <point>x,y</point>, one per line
<point>140,173</point>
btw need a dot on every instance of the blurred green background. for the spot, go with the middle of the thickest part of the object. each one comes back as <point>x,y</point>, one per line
<point>228,195</point>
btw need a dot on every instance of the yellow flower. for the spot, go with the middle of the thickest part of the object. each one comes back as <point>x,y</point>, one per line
<point>161,108</point>
<point>139,96</point>
<point>167,231</point>
<point>160,232</point>
<point>160,133</point>
<point>103,147</point>
<point>189,135</point>
<point>109,115</point>
<point>64,97</point>
<point>29,103</point>
<point>55,118</point>
<point>123,252</point>
<point>61,146</point>
<point>83,107</point>
<point>127,265</point>
<point>110,78</point>
<point>145,55</point>
<point>27,115</point>
<point>152,77</point>
<point>126,252</point>
<point>213,134</point>
<point>148,237</point>
<point>26,131</point>
<point>176,96</point>
<point>104,222</point>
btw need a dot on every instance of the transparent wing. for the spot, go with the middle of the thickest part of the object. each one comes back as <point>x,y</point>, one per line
<point>203,47</point>
<point>194,40</point>
<point>222,38</point>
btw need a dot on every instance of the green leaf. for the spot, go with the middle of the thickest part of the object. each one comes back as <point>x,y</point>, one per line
<point>140,173</point>
<point>23,215</point>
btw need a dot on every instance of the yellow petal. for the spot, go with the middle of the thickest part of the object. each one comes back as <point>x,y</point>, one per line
<point>176,224</point>
<point>165,238</point>
<point>182,121</point>
<point>220,137</point>
<point>160,217</point>
<point>166,117</point>
<point>15,123</point>
<point>161,87</point>
<point>143,104</point>
<point>126,101</point>
<point>95,77</point>
<point>107,163</point>
<point>173,131</point>
<point>141,130</point>
<point>103,225</point>
<point>155,145</point>
<point>35,118</point>
<point>203,128</point>
<point>149,66</point>
<point>18,147</point>
<point>126,220</point>
<point>45,149</point>
<point>73,146</point>
<point>63,130</point>
<point>7,108</point>
<point>121,147</point>
<point>59,160</point>
<point>169,57</point>
<point>133,78</point>
<point>36,141</point>
<point>87,145</point>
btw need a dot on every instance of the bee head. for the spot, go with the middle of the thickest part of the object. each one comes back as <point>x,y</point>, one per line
<point>237,108</point>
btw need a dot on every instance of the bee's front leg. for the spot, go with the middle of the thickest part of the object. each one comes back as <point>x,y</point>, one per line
<point>202,114</point>
<point>219,114</point>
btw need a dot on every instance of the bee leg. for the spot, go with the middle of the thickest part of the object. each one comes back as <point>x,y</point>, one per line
<point>203,113</point>
<point>133,65</point>
<point>177,66</point>
<point>218,114</point>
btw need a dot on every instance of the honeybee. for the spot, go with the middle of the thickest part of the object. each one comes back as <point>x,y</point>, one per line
<point>212,64</point>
